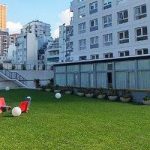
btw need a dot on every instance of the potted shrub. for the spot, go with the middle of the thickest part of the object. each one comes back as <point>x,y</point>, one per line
<point>1,67</point>
<point>57,89</point>
<point>43,88</point>
<point>68,90</point>
<point>146,100</point>
<point>37,83</point>
<point>80,92</point>
<point>89,93</point>
<point>112,95</point>
<point>126,96</point>
<point>23,67</point>
<point>49,86</point>
<point>100,94</point>
<point>34,67</point>
<point>43,67</point>
<point>13,67</point>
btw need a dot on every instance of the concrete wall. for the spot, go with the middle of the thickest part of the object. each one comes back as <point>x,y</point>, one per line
<point>32,74</point>
<point>4,84</point>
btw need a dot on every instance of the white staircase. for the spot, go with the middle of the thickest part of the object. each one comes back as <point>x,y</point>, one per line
<point>14,77</point>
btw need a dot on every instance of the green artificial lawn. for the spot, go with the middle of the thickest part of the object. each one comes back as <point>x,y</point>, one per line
<point>73,123</point>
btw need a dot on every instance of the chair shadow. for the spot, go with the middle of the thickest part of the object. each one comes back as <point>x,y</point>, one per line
<point>7,115</point>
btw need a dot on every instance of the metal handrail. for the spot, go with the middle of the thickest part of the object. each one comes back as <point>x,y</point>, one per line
<point>14,75</point>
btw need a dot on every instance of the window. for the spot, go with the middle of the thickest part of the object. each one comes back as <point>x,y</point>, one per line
<point>141,34</point>
<point>122,17</point>
<point>108,39</point>
<point>108,55</point>
<point>124,53</point>
<point>143,51</point>
<point>110,66</point>
<point>107,21</point>
<point>93,7</point>
<point>95,56</point>
<point>69,46</point>
<point>82,58</point>
<point>94,25</point>
<point>94,42</point>
<point>82,44</point>
<point>107,4</point>
<point>81,12</point>
<point>82,28</point>
<point>140,12</point>
<point>123,37</point>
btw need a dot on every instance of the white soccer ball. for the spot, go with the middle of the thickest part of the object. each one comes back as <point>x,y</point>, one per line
<point>16,111</point>
<point>58,95</point>
<point>28,97</point>
<point>7,88</point>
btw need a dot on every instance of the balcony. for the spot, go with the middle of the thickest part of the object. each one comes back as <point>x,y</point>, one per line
<point>92,11</point>
<point>94,28</point>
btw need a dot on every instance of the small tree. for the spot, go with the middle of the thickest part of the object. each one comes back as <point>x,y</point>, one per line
<point>34,67</point>
<point>23,67</point>
<point>43,67</point>
<point>13,67</point>
<point>1,66</point>
<point>37,83</point>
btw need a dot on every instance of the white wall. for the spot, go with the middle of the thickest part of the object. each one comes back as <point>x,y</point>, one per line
<point>11,48</point>
<point>32,49</point>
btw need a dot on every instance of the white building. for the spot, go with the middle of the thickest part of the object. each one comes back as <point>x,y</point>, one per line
<point>66,43</point>
<point>12,46</point>
<point>110,28</point>
<point>20,54</point>
<point>32,43</point>
<point>52,52</point>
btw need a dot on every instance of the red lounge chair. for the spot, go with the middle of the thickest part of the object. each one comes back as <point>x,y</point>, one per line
<point>3,106</point>
<point>24,106</point>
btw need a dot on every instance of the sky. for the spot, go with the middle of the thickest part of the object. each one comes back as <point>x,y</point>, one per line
<point>20,12</point>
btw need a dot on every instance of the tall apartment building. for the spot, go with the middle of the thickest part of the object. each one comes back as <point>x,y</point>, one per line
<point>4,45</point>
<point>106,29</point>
<point>31,44</point>
<point>3,13</point>
<point>66,43</point>
<point>52,52</point>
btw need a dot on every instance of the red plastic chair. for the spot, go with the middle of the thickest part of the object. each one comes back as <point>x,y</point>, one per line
<point>24,106</point>
<point>3,106</point>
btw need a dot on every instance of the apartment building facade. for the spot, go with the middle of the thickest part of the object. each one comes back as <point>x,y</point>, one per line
<point>4,45</point>
<point>12,47</point>
<point>106,29</point>
<point>3,16</point>
<point>31,44</point>
<point>65,43</point>
<point>52,52</point>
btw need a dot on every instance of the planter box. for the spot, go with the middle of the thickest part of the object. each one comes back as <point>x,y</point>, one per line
<point>80,94</point>
<point>57,91</point>
<point>68,92</point>
<point>89,95</point>
<point>125,100</point>
<point>146,102</point>
<point>101,96</point>
<point>40,89</point>
<point>47,90</point>
<point>112,98</point>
